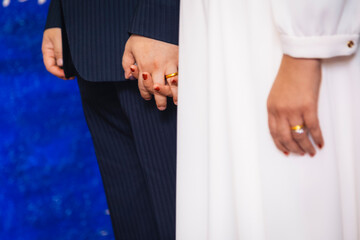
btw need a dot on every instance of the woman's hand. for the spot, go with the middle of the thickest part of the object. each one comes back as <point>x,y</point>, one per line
<point>293,100</point>
<point>154,59</point>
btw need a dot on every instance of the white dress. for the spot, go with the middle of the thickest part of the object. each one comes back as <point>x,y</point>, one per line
<point>232,181</point>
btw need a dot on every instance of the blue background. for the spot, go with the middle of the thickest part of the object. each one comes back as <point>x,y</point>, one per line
<point>50,183</point>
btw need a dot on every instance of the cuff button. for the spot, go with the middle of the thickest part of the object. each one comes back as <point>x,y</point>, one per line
<point>350,44</point>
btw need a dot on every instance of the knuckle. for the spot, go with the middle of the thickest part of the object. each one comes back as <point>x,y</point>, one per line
<point>144,94</point>
<point>126,60</point>
<point>308,107</point>
<point>271,107</point>
<point>313,126</point>
<point>58,53</point>
<point>157,64</point>
<point>298,137</point>
<point>310,104</point>
<point>282,109</point>
<point>148,86</point>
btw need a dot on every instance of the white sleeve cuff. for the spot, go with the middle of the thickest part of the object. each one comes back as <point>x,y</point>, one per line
<point>320,46</point>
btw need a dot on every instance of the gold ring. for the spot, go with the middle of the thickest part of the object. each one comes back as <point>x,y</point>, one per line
<point>298,129</point>
<point>171,75</point>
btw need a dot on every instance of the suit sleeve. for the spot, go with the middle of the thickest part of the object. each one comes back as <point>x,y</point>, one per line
<point>157,19</point>
<point>317,28</point>
<point>54,18</point>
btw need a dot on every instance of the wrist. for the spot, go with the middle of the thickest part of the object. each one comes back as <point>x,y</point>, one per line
<point>304,63</point>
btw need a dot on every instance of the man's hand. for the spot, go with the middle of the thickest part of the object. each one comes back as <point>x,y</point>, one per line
<point>154,59</point>
<point>293,101</point>
<point>52,52</point>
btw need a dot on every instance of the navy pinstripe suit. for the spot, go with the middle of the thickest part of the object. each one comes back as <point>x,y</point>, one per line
<point>135,143</point>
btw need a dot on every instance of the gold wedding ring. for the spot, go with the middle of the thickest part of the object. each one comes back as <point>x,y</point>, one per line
<point>171,75</point>
<point>298,129</point>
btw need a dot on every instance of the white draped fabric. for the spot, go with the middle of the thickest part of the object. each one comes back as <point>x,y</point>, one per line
<point>233,184</point>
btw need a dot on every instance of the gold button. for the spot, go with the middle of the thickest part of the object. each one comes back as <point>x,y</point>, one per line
<point>350,44</point>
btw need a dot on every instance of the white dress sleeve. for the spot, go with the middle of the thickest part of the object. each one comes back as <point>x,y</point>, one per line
<point>317,28</point>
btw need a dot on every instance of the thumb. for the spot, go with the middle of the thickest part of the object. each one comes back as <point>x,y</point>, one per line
<point>58,51</point>
<point>127,61</point>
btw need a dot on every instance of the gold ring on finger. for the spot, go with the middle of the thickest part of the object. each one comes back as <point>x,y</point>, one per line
<point>171,75</point>
<point>299,129</point>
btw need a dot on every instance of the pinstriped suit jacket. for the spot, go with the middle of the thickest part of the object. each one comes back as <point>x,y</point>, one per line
<point>95,32</point>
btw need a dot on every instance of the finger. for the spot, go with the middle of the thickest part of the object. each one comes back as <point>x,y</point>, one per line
<point>134,71</point>
<point>127,61</point>
<point>148,82</point>
<point>274,135</point>
<point>174,90</point>
<point>143,92</point>
<point>302,139</point>
<point>163,90</point>
<point>173,83</point>
<point>159,79</point>
<point>66,79</point>
<point>285,137</point>
<point>313,126</point>
<point>58,52</point>
<point>50,64</point>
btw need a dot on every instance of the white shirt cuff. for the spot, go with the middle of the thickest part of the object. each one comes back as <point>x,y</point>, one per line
<point>320,46</point>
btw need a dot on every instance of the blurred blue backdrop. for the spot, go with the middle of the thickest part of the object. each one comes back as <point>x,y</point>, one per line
<point>50,183</point>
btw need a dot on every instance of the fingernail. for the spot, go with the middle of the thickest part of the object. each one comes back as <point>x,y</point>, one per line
<point>59,62</point>
<point>132,69</point>
<point>312,154</point>
<point>286,153</point>
<point>161,108</point>
<point>174,81</point>
<point>320,146</point>
<point>145,76</point>
<point>157,88</point>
